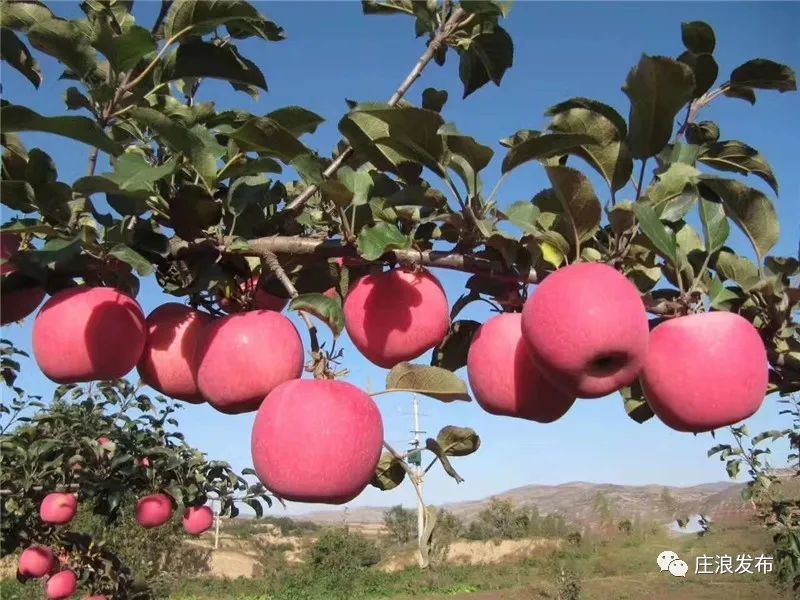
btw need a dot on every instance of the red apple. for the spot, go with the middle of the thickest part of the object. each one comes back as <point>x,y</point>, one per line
<point>586,328</point>
<point>36,561</point>
<point>88,333</point>
<point>62,585</point>
<point>197,519</point>
<point>16,303</point>
<point>58,509</point>
<point>705,371</point>
<point>505,378</point>
<point>317,441</point>
<point>167,363</point>
<point>261,298</point>
<point>154,510</point>
<point>396,315</point>
<point>143,462</point>
<point>243,357</point>
<point>103,440</point>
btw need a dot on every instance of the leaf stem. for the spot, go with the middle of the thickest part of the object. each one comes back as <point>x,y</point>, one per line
<point>139,78</point>
<point>641,180</point>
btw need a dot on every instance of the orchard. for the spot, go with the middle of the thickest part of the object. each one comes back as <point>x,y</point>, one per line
<point>630,287</point>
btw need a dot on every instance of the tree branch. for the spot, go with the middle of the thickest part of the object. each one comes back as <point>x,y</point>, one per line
<point>444,32</point>
<point>321,248</point>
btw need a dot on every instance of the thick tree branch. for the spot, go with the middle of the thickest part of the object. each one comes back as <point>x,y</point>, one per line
<point>320,248</point>
<point>444,32</point>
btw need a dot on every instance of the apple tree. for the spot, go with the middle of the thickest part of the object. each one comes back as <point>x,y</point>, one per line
<point>236,217</point>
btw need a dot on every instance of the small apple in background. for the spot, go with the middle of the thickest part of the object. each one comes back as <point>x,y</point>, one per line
<point>87,334</point>
<point>143,462</point>
<point>15,304</point>
<point>197,519</point>
<point>62,585</point>
<point>167,362</point>
<point>505,378</point>
<point>705,371</point>
<point>587,329</point>
<point>153,510</point>
<point>243,357</point>
<point>396,315</point>
<point>103,440</point>
<point>58,508</point>
<point>317,441</point>
<point>36,561</point>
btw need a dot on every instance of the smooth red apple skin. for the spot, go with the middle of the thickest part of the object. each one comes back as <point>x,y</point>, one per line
<point>17,304</point>
<point>197,519</point>
<point>154,510</point>
<point>167,362</point>
<point>587,329</point>
<point>241,358</point>
<point>58,508</point>
<point>505,378</point>
<point>62,585</point>
<point>36,561</point>
<point>396,315</point>
<point>705,371</point>
<point>317,441</point>
<point>144,462</point>
<point>87,334</point>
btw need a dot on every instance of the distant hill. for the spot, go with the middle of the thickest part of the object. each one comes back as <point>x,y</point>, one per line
<point>575,501</point>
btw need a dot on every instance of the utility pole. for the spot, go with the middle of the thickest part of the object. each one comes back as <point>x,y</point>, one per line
<point>416,444</point>
<point>217,506</point>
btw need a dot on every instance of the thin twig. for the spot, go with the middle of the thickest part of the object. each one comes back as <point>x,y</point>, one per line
<point>411,475</point>
<point>139,78</point>
<point>444,32</point>
<point>92,161</point>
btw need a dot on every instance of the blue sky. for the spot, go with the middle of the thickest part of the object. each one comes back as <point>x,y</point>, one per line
<point>561,50</point>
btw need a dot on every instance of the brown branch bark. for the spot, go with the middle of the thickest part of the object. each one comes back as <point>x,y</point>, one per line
<point>319,248</point>
<point>446,30</point>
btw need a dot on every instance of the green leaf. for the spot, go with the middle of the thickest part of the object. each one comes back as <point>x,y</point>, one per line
<point>387,7</point>
<point>523,214</point>
<point>247,191</point>
<point>466,157</point>
<point>395,138</point>
<point>199,59</point>
<point>358,183</point>
<point>543,146</point>
<point>56,251</point>
<point>16,53</point>
<point>128,255</point>
<point>204,16</point>
<point>373,242</point>
<point>18,195</point>
<point>433,446</point>
<point>749,208</point>
<point>327,309</point>
<point>75,100</point>
<point>488,7</point>
<point>609,156</point>
<point>19,118</point>
<point>458,441</point>
<point>715,225</point>
<point>132,173</point>
<point>698,37</point>
<point>296,119</point>
<point>636,405</point>
<point>40,168</point>
<point>433,99</point>
<point>704,132</point>
<point>21,16</point>
<point>434,382</point>
<point>487,58</point>
<point>740,158</point>
<point>743,93</point>
<point>268,137</point>
<point>68,42</point>
<point>739,269</point>
<point>126,50</point>
<point>389,473</point>
<point>662,237</point>
<point>191,143</point>
<point>720,297</point>
<point>705,70</point>
<point>679,180</point>
<point>519,136</point>
<point>658,87</point>
<point>580,203</point>
<point>764,74</point>
<point>451,353</point>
